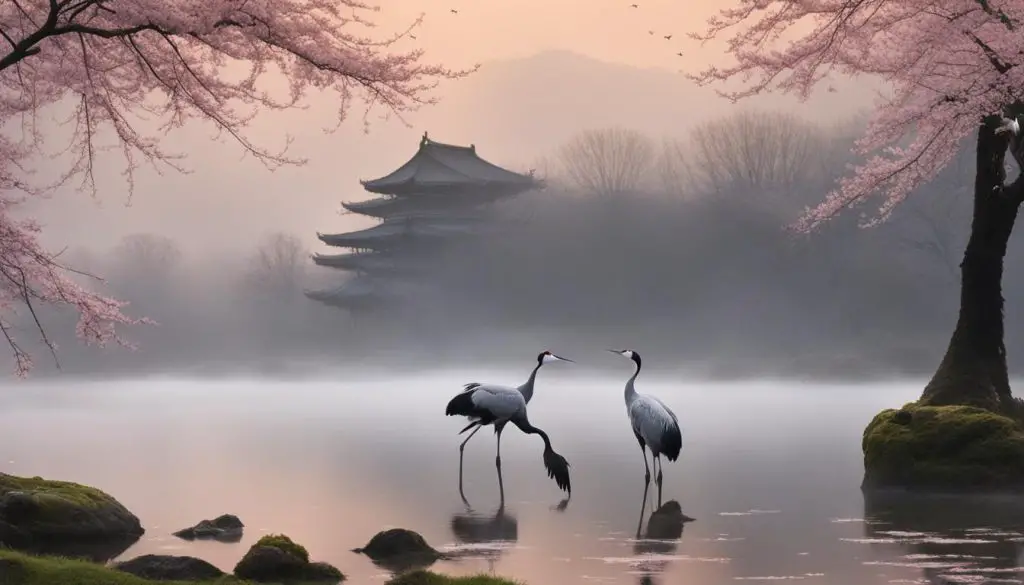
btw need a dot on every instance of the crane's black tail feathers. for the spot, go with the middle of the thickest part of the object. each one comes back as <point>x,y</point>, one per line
<point>462,405</point>
<point>558,468</point>
<point>672,443</point>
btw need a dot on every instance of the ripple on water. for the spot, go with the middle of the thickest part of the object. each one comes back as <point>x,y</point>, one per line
<point>654,557</point>
<point>781,577</point>
<point>918,564</point>
<point>750,513</point>
<point>896,537</point>
<point>948,578</point>
<point>926,557</point>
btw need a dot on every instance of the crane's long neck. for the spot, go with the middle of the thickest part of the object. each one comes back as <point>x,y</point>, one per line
<point>527,389</point>
<point>528,428</point>
<point>630,388</point>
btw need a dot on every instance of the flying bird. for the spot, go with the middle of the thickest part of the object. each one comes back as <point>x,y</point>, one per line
<point>634,6</point>
<point>654,424</point>
<point>680,53</point>
<point>650,32</point>
<point>490,404</point>
<point>453,11</point>
<point>668,37</point>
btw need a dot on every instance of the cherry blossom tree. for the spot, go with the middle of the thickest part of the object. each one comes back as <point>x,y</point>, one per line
<point>114,61</point>
<point>956,70</point>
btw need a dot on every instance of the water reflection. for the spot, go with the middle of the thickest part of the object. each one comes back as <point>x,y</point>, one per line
<point>660,540</point>
<point>485,536</point>
<point>951,539</point>
<point>100,551</point>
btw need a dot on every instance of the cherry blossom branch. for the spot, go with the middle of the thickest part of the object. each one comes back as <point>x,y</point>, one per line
<point>951,65</point>
<point>176,60</point>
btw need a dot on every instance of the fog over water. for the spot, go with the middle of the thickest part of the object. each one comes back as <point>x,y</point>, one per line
<point>769,471</point>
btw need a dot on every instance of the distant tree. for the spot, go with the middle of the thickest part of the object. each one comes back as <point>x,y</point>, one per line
<point>278,265</point>
<point>755,150</point>
<point>174,61</point>
<point>955,70</point>
<point>146,254</point>
<point>673,167</point>
<point>608,161</point>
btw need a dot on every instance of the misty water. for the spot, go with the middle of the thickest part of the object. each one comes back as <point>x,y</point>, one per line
<point>770,472</point>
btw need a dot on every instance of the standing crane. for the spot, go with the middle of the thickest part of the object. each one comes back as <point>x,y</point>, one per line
<point>491,404</point>
<point>654,424</point>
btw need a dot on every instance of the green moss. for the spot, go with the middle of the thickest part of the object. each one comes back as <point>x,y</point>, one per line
<point>943,448</point>
<point>429,578</point>
<point>22,569</point>
<point>56,493</point>
<point>284,543</point>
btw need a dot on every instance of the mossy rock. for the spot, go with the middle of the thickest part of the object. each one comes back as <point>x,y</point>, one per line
<point>286,544</point>
<point>275,558</point>
<point>22,569</point>
<point>943,449</point>
<point>399,550</point>
<point>170,568</point>
<point>429,578</point>
<point>37,512</point>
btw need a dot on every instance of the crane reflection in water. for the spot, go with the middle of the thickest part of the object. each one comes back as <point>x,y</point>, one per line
<point>485,536</point>
<point>652,546</point>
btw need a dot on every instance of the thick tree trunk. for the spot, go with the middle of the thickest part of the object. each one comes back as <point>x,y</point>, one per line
<point>973,370</point>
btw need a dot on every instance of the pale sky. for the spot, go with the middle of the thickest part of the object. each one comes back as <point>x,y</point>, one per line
<point>609,30</point>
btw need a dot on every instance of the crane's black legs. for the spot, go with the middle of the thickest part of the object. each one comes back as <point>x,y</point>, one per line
<point>462,449</point>
<point>643,508</point>
<point>647,470</point>
<point>658,463</point>
<point>497,461</point>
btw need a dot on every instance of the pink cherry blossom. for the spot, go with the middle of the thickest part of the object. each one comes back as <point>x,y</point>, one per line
<point>949,63</point>
<point>174,61</point>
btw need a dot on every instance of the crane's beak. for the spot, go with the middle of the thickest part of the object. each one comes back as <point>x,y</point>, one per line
<point>558,357</point>
<point>615,351</point>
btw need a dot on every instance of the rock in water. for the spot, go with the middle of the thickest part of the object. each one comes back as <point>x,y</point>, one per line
<point>398,549</point>
<point>943,449</point>
<point>276,558</point>
<point>225,528</point>
<point>38,514</point>
<point>397,541</point>
<point>170,568</point>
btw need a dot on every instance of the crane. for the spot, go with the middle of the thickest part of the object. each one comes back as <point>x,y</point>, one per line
<point>654,424</point>
<point>491,404</point>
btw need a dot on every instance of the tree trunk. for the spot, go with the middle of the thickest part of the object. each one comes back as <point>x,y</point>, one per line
<point>973,371</point>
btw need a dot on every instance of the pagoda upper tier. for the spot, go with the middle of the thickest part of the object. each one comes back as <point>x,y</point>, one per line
<point>449,169</point>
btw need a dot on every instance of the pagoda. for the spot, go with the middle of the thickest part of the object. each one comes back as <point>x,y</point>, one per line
<point>438,195</point>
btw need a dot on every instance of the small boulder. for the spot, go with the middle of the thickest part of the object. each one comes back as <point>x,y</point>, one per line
<point>225,528</point>
<point>276,558</point>
<point>170,568</point>
<point>37,514</point>
<point>399,549</point>
<point>396,541</point>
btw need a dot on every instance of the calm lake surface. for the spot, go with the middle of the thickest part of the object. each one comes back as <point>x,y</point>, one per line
<point>770,472</point>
